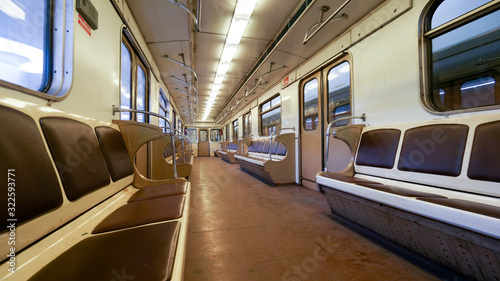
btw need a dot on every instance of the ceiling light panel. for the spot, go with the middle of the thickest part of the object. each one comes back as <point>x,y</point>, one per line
<point>239,22</point>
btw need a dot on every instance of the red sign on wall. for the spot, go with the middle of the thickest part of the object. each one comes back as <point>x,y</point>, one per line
<point>84,25</point>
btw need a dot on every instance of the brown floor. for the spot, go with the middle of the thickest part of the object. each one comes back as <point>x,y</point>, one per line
<point>243,229</point>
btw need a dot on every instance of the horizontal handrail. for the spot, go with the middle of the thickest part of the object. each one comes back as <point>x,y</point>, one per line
<point>272,134</point>
<point>362,117</point>
<point>332,16</point>
<point>118,109</point>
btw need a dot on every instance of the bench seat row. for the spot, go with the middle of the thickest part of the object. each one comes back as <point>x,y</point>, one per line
<point>432,187</point>
<point>77,215</point>
<point>274,162</point>
<point>230,149</point>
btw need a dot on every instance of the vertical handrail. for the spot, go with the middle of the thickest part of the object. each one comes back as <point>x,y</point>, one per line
<point>183,148</point>
<point>118,109</point>
<point>327,150</point>
<point>272,134</point>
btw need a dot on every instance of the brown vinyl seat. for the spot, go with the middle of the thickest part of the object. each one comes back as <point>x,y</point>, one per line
<point>164,190</point>
<point>142,212</point>
<point>126,253</point>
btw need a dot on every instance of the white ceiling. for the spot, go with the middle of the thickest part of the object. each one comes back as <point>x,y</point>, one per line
<point>168,30</point>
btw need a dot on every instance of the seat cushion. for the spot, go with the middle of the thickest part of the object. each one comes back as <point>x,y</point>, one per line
<point>479,208</point>
<point>164,190</point>
<point>399,190</point>
<point>346,179</point>
<point>143,212</point>
<point>144,253</point>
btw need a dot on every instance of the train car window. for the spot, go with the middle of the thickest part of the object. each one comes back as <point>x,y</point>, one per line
<point>126,82</point>
<point>247,125</point>
<point>141,93</point>
<point>227,132</point>
<point>164,110</point>
<point>463,55</point>
<point>310,102</point>
<point>175,120</point>
<point>214,135</point>
<point>203,135</point>
<point>235,129</point>
<point>192,135</point>
<point>36,46</point>
<point>339,93</point>
<point>270,116</point>
<point>134,83</point>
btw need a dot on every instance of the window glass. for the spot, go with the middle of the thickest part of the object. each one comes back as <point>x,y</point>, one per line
<point>339,93</point>
<point>24,53</point>
<point>449,10</point>
<point>227,132</point>
<point>203,135</point>
<point>141,93</point>
<point>249,128</point>
<point>270,116</point>
<point>464,66</point>
<point>235,129</point>
<point>126,82</point>
<point>310,101</point>
<point>192,134</point>
<point>271,121</point>
<point>478,92</point>
<point>276,101</point>
<point>214,135</point>
<point>247,125</point>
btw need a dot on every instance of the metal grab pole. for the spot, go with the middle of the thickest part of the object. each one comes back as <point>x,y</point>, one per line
<point>117,109</point>
<point>362,117</point>
<point>183,149</point>
<point>272,134</point>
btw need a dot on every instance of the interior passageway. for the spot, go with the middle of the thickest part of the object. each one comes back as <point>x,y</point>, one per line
<point>243,229</point>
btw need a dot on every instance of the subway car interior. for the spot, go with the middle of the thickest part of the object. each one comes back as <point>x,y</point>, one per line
<point>250,140</point>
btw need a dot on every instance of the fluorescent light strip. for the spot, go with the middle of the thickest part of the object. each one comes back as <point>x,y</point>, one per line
<point>241,16</point>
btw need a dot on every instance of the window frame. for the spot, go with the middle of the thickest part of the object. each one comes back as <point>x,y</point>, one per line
<point>271,108</point>
<point>165,108</point>
<point>247,124</point>
<point>218,135</point>
<point>235,125</point>
<point>426,34</point>
<point>58,59</point>
<point>327,106</point>
<point>136,63</point>
<point>314,123</point>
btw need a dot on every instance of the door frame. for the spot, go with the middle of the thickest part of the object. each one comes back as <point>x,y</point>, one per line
<point>321,73</point>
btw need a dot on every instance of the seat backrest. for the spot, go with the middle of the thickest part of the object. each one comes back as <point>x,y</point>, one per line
<point>77,155</point>
<point>484,161</point>
<point>453,153</point>
<point>378,148</point>
<point>281,149</point>
<point>27,169</point>
<point>274,147</point>
<point>434,149</point>
<point>260,146</point>
<point>266,146</point>
<point>115,152</point>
